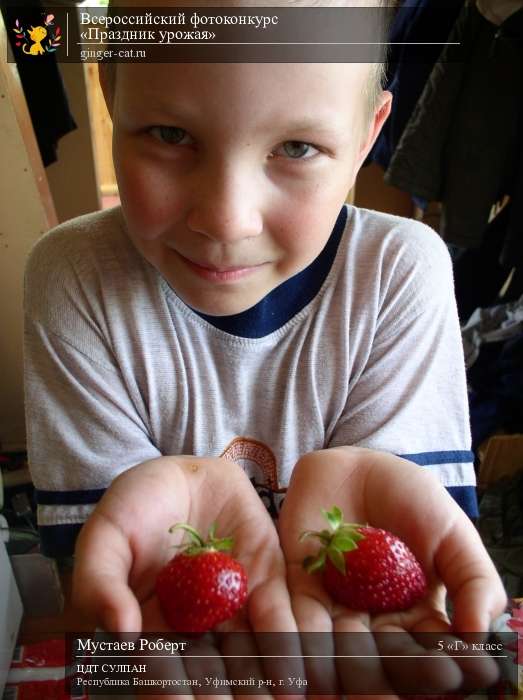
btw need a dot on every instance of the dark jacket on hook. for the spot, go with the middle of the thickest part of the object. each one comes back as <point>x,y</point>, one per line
<point>461,145</point>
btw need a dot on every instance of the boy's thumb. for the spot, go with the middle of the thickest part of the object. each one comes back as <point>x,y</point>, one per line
<point>121,615</point>
<point>109,605</point>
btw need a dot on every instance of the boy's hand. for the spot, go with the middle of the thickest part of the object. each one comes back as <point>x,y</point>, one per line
<point>126,541</point>
<point>388,492</point>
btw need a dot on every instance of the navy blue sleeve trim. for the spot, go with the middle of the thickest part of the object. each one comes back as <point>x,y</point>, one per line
<point>68,498</point>
<point>442,457</point>
<point>57,541</point>
<point>466,498</point>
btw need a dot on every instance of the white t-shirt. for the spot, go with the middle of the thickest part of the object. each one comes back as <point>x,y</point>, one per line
<point>361,348</point>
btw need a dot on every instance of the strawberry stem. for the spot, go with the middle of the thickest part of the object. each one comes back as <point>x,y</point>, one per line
<point>194,534</point>
<point>198,544</point>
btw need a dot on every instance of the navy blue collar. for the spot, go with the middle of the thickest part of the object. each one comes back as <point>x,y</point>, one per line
<point>286,300</point>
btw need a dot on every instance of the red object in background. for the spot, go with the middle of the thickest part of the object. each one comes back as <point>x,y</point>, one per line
<point>47,654</point>
<point>42,690</point>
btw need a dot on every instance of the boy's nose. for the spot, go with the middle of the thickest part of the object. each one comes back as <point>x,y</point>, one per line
<point>225,208</point>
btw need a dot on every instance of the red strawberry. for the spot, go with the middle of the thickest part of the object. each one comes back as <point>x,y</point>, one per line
<point>202,585</point>
<point>366,568</point>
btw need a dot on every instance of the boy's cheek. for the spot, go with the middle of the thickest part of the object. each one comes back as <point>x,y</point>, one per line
<point>149,202</point>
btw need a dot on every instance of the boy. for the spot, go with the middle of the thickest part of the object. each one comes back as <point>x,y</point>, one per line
<point>234,310</point>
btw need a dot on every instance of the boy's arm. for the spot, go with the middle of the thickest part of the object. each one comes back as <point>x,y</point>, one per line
<point>86,422</point>
<point>409,395</point>
<point>83,430</point>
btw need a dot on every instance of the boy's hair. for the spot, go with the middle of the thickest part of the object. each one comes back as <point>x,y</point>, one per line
<point>377,74</point>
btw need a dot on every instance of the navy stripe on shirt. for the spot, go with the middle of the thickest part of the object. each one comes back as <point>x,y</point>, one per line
<point>59,540</point>
<point>465,496</point>
<point>69,498</point>
<point>441,457</point>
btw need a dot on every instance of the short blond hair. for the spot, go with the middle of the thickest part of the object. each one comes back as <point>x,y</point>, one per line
<point>377,73</point>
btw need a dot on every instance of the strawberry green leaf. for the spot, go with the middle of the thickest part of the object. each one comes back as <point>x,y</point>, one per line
<point>349,530</point>
<point>344,542</point>
<point>337,559</point>
<point>308,562</point>
<point>223,545</point>
<point>324,536</point>
<point>334,517</point>
<point>307,533</point>
<point>193,549</point>
<point>313,564</point>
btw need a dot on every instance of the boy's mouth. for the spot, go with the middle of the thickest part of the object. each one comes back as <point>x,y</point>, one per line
<point>222,273</point>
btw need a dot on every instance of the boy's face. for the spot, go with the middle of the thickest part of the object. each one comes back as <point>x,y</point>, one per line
<point>231,176</point>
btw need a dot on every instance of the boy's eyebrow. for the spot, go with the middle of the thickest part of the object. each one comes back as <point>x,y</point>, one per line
<point>311,125</point>
<point>305,125</point>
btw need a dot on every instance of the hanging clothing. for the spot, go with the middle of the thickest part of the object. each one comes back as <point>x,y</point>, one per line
<point>493,347</point>
<point>480,273</point>
<point>409,66</point>
<point>495,324</point>
<point>460,145</point>
<point>512,251</point>
<point>501,528</point>
<point>42,84</point>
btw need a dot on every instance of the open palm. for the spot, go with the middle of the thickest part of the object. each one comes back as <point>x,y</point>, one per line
<point>390,493</point>
<point>126,541</point>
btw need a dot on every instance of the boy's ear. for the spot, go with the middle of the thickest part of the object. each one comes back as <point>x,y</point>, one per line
<point>106,74</point>
<point>378,120</point>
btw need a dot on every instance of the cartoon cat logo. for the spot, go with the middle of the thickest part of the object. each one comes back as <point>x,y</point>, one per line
<point>36,34</point>
<point>39,40</point>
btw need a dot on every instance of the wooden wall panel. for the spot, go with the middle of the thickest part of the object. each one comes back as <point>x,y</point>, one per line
<point>26,211</point>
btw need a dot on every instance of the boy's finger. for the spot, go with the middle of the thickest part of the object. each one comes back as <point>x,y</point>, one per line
<point>109,603</point>
<point>118,609</point>
<point>100,579</point>
<point>477,602</point>
<point>269,608</point>
<point>413,668</point>
<point>310,604</point>
<point>358,662</point>
<point>471,579</point>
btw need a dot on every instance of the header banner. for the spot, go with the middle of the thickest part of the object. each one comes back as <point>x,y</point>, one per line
<point>213,34</point>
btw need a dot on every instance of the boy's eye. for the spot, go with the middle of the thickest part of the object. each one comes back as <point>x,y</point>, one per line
<point>172,135</point>
<point>297,150</point>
